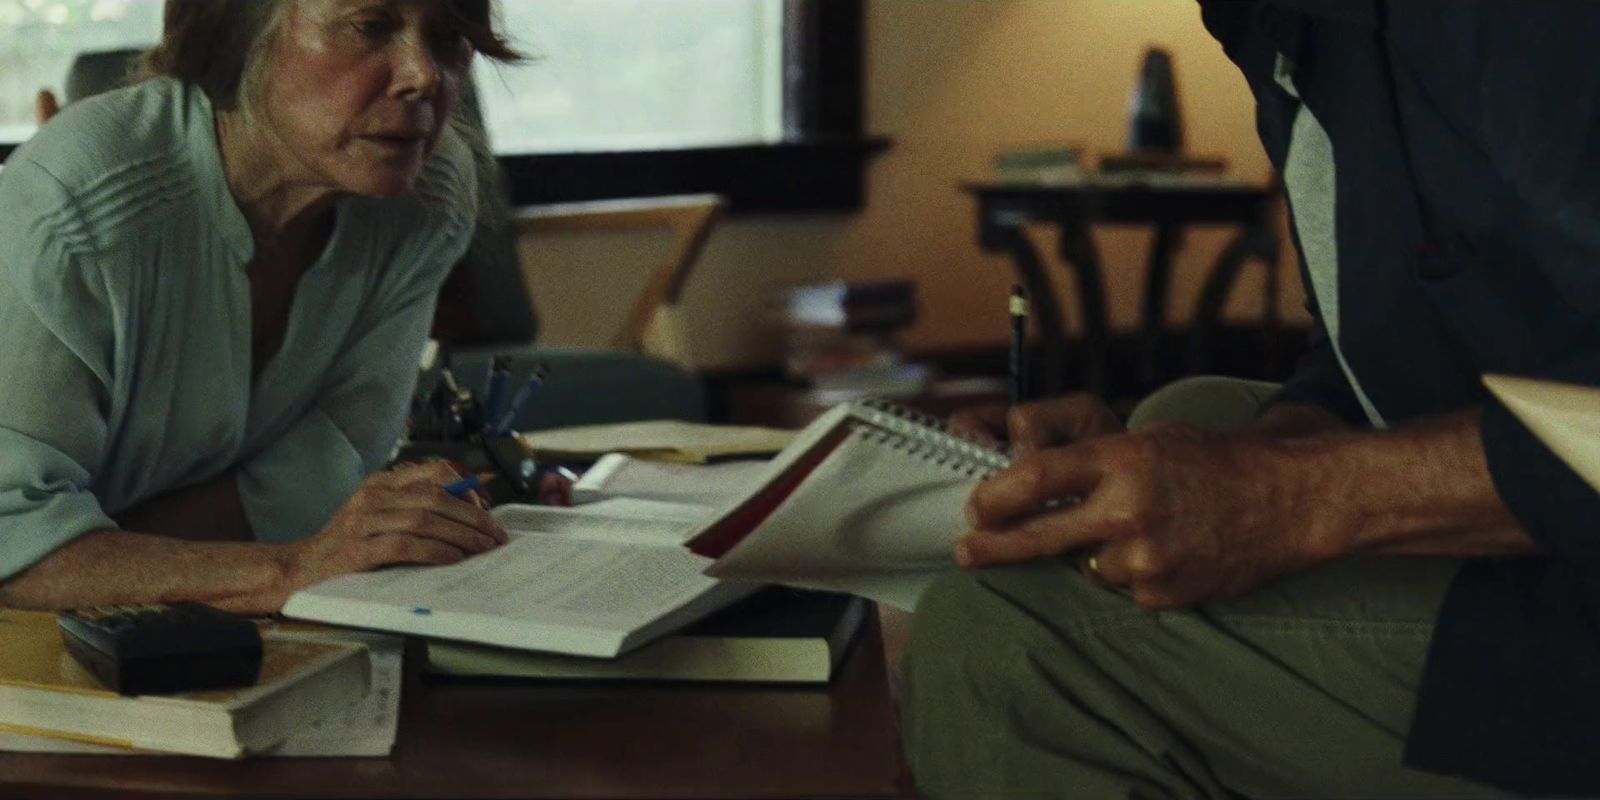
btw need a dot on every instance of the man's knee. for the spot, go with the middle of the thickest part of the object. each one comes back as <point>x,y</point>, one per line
<point>967,622</point>
<point>982,704</point>
<point>962,614</point>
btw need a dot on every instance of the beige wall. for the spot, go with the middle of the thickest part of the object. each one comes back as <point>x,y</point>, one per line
<point>951,82</point>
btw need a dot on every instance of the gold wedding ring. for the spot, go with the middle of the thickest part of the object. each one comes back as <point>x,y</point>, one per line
<point>1093,565</point>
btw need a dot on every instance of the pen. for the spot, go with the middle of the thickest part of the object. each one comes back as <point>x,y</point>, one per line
<point>494,390</point>
<point>461,487</point>
<point>1018,362</point>
<point>503,426</point>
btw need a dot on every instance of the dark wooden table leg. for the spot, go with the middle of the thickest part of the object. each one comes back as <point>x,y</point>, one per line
<point>1257,242</point>
<point>1003,233</point>
<point>1158,283</point>
<point>1078,251</point>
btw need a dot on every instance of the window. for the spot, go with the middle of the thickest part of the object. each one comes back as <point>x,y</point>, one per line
<point>679,73</point>
<point>39,38</point>
<point>758,100</point>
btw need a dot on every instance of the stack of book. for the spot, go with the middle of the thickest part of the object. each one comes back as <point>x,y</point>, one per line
<point>840,337</point>
<point>601,591</point>
<point>1059,165</point>
<point>307,684</point>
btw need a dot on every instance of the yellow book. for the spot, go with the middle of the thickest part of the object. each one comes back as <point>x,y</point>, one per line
<point>1565,417</point>
<point>45,692</point>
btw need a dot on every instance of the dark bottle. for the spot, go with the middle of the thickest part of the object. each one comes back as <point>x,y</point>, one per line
<point>1155,125</point>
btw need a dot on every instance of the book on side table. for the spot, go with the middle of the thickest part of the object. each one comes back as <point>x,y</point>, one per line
<point>778,635</point>
<point>45,692</point>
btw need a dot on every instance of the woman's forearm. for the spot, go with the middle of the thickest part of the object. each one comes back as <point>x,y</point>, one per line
<point>1420,490</point>
<point>117,567</point>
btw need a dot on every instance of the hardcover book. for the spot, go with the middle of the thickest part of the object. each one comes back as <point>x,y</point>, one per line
<point>778,635</point>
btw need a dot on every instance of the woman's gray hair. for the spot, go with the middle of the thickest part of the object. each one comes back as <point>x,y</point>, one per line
<point>217,45</point>
<point>222,45</point>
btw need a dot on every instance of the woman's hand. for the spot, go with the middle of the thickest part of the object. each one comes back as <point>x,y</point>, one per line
<point>402,516</point>
<point>1178,514</point>
<point>1034,426</point>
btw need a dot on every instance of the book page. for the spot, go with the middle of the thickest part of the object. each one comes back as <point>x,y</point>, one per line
<point>624,520</point>
<point>572,580</point>
<point>670,438</point>
<point>617,475</point>
<point>546,577</point>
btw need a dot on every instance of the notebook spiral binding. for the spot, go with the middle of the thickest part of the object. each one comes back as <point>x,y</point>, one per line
<point>919,434</point>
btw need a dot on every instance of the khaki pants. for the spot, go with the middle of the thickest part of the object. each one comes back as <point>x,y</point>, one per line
<point>1032,681</point>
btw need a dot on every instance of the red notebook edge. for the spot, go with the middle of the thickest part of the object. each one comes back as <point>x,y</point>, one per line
<point>728,532</point>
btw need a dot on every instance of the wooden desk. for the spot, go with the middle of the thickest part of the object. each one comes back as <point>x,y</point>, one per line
<point>1003,209</point>
<point>512,739</point>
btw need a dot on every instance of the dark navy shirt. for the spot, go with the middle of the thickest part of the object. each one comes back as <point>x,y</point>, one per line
<point>1466,141</point>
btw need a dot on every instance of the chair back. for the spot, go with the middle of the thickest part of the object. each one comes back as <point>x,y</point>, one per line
<point>484,302</point>
<point>101,71</point>
<point>652,324</point>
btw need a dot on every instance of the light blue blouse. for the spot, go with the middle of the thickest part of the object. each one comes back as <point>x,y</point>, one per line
<point>125,327</point>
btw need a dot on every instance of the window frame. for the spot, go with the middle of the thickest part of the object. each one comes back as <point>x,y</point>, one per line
<point>819,166</point>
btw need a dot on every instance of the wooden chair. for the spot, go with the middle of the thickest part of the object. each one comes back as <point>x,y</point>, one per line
<point>653,323</point>
<point>630,360</point>
<point>90,74</point>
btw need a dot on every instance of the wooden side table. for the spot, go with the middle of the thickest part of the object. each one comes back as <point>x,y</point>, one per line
<point>1004,208</point>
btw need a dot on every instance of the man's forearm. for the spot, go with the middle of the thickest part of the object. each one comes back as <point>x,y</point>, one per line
<point>1420,490</point>
<point>116,567</point>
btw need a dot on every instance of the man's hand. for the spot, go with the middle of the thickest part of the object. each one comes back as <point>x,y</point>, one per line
<point>1034,426</point>
<point>1178,514</point>
<point>401,516</point>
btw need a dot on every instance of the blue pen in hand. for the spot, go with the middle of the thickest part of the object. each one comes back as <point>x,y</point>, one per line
<point>503,425</point>
<point>461,487</point>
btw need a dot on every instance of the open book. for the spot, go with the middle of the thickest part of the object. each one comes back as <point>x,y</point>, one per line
<point>1564,416</point>
<point>596,580</point>
<point>868,499</point>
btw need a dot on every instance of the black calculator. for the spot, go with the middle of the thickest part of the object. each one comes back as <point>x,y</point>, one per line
<point>161,649</point>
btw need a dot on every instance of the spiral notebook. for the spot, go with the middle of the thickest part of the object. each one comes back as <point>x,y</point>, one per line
<point>868,499</point>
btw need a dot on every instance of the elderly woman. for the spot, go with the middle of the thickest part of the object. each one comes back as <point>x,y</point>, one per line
<point>214,286</point>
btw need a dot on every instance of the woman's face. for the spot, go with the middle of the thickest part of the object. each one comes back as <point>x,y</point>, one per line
<point>358,92</point>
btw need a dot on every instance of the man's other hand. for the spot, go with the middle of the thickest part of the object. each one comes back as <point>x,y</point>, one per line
<point>1034,426</point>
